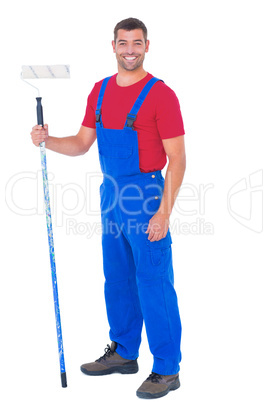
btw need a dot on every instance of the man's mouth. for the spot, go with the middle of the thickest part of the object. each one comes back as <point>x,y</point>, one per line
<point>130,58</point>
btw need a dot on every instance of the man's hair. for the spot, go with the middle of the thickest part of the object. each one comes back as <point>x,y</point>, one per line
<point>129,25</point>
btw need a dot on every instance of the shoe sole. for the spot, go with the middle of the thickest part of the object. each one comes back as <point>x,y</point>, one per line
<point>119,369</point>
<point>147,395</point>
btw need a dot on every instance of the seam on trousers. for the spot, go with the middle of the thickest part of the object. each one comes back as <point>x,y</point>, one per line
<point>130,254</point>
<point>168,317</point>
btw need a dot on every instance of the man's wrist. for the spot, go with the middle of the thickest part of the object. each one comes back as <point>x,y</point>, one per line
<point>164,212</point>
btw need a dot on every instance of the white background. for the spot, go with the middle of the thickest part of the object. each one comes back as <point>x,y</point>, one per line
<point>214,55</point>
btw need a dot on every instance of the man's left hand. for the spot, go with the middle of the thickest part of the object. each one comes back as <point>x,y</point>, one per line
<point>158,227</point>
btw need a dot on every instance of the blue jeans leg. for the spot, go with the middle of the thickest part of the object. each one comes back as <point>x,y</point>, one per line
<point>160,308</point>
<point>121,295</point>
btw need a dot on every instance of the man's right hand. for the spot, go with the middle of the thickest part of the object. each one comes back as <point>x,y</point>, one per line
<point>39,134</point>
<point>73,145</point>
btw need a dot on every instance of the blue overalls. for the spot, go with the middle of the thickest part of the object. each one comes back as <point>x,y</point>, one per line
<point>139,282</point>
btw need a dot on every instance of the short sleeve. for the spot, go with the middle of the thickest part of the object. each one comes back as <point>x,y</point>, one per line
<point>90,117</point>
<point>168,113</point>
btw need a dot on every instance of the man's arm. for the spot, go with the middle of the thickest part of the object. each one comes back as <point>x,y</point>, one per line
<point>159,223</point>
<point>75,145</point>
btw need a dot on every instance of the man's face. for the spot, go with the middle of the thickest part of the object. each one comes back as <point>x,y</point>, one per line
<point>130,49</point>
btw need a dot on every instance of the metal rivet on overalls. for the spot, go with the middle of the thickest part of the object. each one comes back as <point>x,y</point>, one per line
<point>153,176</point>
<point>156,198</point>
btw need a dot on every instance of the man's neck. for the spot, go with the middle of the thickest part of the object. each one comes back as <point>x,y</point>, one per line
<point>125,78</point>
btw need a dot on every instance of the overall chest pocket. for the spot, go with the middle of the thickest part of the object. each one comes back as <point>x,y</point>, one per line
<point>115,151</point>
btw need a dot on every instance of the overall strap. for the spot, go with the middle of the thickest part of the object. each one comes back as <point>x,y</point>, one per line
<point>100,99</point>
<point>131,117</point>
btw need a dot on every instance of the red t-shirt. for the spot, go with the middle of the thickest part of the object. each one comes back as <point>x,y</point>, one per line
<point>158,118</point>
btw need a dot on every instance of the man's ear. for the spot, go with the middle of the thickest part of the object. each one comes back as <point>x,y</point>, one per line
<point>113,44</point>
<point>147,46</point>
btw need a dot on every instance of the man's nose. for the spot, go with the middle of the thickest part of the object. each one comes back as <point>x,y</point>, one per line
<point>130,49</point>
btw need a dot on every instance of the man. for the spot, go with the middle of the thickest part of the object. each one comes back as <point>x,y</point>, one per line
<point>137,122</point>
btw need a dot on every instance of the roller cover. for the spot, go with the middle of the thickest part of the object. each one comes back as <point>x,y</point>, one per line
<point>56,71</point>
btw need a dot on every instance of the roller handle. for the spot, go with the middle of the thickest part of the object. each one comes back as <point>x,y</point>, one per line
<point>40,122</point>
<point>39,110</point>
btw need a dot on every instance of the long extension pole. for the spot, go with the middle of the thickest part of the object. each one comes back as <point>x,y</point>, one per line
<point>40,121</point>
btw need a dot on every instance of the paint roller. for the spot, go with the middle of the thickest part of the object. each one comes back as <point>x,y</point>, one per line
<point>37,72</point>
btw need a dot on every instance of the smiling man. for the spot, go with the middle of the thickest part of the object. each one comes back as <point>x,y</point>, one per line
<point>130,59</point>
<point>137,122</point>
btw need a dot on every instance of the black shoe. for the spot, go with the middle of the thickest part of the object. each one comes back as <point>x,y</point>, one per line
<point>157,385</point>
<point>110,363</point>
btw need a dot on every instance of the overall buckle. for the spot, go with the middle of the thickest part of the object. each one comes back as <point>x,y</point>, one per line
<point>130,120</point>
<point>98,115</point>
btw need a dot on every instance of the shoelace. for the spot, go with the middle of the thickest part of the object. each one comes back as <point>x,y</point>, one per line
<point>108,353</point>
<point>154,377</point>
